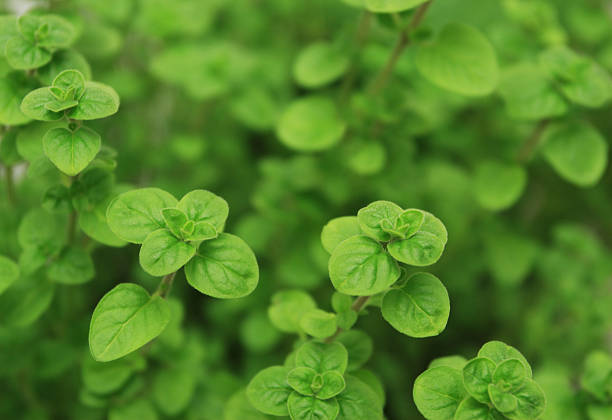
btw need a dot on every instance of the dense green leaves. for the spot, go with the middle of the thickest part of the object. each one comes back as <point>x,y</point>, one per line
<point>419,308</point>
<point>461,60</point>
<point>125,319</point>
<point>360,266</point>
<point>224,267</point>
<point>576,151</point>
<point>310,124</point>
<point>71,151</point>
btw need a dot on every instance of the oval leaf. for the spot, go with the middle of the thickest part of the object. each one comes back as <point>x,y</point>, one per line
<point>71,151</point>
<point>163,253</point>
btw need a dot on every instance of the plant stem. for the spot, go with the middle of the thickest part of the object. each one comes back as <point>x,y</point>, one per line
<point>532,142</point>
<point>165,285</point>
<point>10,185</point>
<point>357,306</point>
<point>381,80</point>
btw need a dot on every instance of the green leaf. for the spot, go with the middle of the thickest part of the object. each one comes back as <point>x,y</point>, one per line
<point>310,408</point>
<point>455,362</point>
<point>204,206</point>
<point>511,373</point>
<point>470,409</point>
<point>25,301</point>
<point>419,308</point>
<point>104,378</point>
<point>407,223</point>
<point>202,231</point>
<point>310,124</point>
<point>498,185</point>
<point>359,346</point>
<point>438,392</point>
<point>596,374</point>
<point>124,320</point>
<point>34,105</point>
<point>322,357</point>
<point>499,352</point>
<point>97,101</point>
<point>268,391</point>
<point>70,81</point>
<point>461,60</point>
<point>477,375</point>
<point>366,157</point>
<point>224,268</point>
<point>23,54</point>
<point>333,384</point>
<point>302,380</point>
<point>530,95</point>
<point>337,230</point>
<point>133,215</point>
<point>576,151</point>
<point>173,389</point>
<point>391,6</point>
<point>63,60</point>
<point>287,309</point>
<point>74,266</point>
<point>319,64</point>
<point>376,217</point>
<point>175,219</point>
<point>502,400</point>
<point>60,32</point>
<point>358,401</point>
<point>71,151</point>
<point>8,29</point>
<point>318,323</point>
<point>423,248</point>
<point>360,266</point>
<point>372,381</point>
<point>162,253</point>
<point>580,79</point>
<point>530,402</point>
<point>13,87</point>
<point>9,272</point>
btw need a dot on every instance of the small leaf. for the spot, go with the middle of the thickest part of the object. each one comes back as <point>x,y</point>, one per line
<point>133,215</point>
<point>423,248</point>
<point>9,272</point>
<point>499,352</point>
<point>461,60</point>
<point>202,231</point>
<point>23,54</point>
<point>359,346</point>
<point>407,223</point>
<point>470,409</point>
<point>204,206</point>
<point>162,253</point>
<point>34,105</point>
<point>511,373</point>
<point>359,266</point>
<point>307,408</point>
<point>319,323</point>
<point>97,101</point>
<point>391,6</point>
<point>124,320</point>
<point>74,266</point>
<point>477,375</point>
<point>419,308</point>
<point>438,392</point>
<point>337,230</point>
<point>71,151</point>
<point>576,151</point>
<point>268,391</point>
<point>301,380</point>
<point>319,64</point>
<point>377,215</point>
<point>333,384</point>
<point>530,402</point>
<point>497,185</point>
<point>287,309</point>
<point>502,400</point>
<point>224,268</point>
<point>175,219</point>
<point>70,80</point>
<point>310,124</point>
<point>322,357</point>
<point>60,33</point>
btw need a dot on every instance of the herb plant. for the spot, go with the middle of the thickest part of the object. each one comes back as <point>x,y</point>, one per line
<point>381,159</point>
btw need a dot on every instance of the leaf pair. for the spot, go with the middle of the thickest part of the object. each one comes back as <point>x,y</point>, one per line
<point>35,39</point>
<point>496,384</point>
<point>186,233</point>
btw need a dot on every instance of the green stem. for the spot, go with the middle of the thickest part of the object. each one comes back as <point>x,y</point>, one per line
<point>357,306</point>
<point>531,143</point>
<point>381,80</point>
<point>165,285</point>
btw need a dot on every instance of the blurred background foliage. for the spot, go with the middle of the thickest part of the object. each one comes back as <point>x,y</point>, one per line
<point>203,84</point>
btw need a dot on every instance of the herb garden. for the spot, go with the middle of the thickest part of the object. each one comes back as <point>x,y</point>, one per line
<point>305,210</point>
